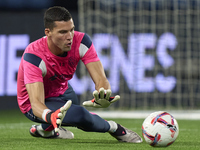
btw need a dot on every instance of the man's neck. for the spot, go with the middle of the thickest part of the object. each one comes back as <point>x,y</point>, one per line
<point>63,55</point>
<point>54,49</point>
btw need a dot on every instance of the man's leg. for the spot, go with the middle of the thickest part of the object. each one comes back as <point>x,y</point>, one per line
<point>79,117</point>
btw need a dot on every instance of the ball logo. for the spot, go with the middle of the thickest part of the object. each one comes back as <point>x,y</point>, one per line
<point>172,128</point>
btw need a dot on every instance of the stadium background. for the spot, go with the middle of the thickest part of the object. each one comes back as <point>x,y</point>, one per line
<point>150,49</point>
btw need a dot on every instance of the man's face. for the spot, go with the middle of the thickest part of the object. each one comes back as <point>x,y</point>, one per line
<point>61,36</point>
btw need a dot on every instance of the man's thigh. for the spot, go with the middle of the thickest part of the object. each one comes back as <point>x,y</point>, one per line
<point>70,95</point>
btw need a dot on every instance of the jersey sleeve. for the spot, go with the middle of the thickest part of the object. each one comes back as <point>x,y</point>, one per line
<point>87,51</point>
<point>34,68</point>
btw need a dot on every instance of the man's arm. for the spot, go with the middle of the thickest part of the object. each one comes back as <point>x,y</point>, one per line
<point>36,97</point>
<point>97,74</point>
<point>102,94</point>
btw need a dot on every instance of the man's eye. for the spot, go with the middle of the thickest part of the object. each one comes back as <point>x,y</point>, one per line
<point>62,32</point>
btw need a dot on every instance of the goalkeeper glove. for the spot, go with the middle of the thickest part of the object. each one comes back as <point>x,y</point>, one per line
<point>101,99</point>
<point>56,118</point>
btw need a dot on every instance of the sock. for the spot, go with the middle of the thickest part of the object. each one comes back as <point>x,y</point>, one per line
<point>120,131</point>
<point>116,129</point>
<point>47,127</point>
<point>44,133</point>
<point>113,126</point>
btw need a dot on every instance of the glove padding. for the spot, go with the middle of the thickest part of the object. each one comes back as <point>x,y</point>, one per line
<point>101,99</point>
<point>57,117</point>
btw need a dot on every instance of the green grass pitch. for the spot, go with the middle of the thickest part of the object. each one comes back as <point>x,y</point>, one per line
<point>14,135</point>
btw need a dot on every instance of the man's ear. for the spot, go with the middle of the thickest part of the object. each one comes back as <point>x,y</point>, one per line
<point>47,31</point>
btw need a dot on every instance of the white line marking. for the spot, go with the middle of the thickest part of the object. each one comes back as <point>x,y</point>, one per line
<point>185,115</point>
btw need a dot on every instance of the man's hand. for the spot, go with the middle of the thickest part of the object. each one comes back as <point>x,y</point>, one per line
<point>101,99</point>
<point>56,118</point>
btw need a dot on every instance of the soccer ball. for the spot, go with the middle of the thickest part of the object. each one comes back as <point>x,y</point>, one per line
<point>160,129</point>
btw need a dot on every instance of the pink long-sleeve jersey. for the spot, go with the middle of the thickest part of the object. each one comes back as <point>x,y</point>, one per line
<point>38,64</point>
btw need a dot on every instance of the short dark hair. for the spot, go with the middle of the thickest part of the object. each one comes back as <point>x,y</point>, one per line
<point>55,13</point>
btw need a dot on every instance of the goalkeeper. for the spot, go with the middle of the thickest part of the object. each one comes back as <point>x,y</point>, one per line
<point>43,92</point>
